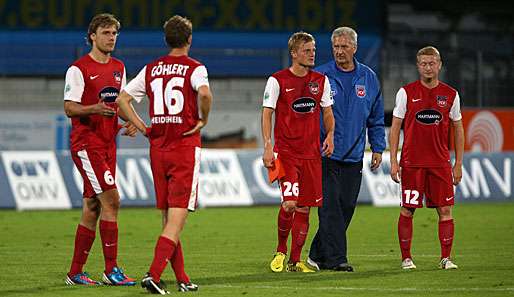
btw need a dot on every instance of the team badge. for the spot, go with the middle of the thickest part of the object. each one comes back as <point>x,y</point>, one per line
<point>360,90</point>
<point>442,100</point>
<point>314,87</point>
<point>117,76</point>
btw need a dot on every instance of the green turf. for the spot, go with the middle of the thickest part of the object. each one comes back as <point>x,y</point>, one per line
<point>228,252</point>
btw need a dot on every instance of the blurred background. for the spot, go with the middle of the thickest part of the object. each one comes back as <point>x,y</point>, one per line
<point>242,42</point>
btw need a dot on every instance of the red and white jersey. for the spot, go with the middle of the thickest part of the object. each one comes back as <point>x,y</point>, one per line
<point>89,82</point>
<point>297,102</point>
<point>426,114</point>
<point>171,84</point>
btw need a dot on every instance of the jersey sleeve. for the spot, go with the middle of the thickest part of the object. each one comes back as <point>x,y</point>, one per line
<point>401,104</point>
<point>326,98</point>
<point>455,114</point>
<point>137,86</point>
<point>271,93</point>
<point>74,85</point>
<point>199,77</point>
<point>124,78</point>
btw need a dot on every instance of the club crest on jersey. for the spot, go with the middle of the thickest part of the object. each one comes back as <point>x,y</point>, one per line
<point>117,76</point>
<point>442,100</point>
<point>360,90</point>
<point>304,105</point>
<point>108,94</point>
<point>314,87</point>
<point>429,117</point>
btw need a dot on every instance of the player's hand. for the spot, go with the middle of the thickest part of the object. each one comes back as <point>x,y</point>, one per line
<point>199,125</point>
<point>457,174</point>
<point>268,158</point>
<point>104,110</point>
<point>395,171</point>
<point>328,145</point>
<point>376,160</point>
<point>130,129</point>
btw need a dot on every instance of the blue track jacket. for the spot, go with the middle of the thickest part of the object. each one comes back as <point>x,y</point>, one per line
<point>355,110</point>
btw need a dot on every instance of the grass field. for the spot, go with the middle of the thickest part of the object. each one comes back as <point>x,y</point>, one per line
<point>228,251</point>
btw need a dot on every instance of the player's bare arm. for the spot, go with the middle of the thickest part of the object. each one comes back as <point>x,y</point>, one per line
<point>329,124</point>
<point>267,156</point>
<point>459,151</point>
<point>74,109</point>
<point>124,102</point>
<point>394,139</point>
<point>205,98</point>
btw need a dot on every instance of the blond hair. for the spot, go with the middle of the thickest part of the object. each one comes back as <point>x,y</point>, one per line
<point>428,51</point>
<point>297,39</point>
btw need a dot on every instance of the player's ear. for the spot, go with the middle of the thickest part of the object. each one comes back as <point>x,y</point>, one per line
<point>190,39</point>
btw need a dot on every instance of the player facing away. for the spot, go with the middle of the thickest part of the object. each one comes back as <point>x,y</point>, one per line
<point>428,107</point>
<point>174,84</point>
<point>297,95</point>
<point>92,85</point>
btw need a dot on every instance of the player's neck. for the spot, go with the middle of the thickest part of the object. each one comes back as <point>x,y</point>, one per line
<point>430,83</point>
<point>346,67</point>
<point>299,70</point>
<point>177,52</point>
<point>99,56</point>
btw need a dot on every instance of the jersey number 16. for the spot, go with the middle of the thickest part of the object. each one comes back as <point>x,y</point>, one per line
<point>173,98</point>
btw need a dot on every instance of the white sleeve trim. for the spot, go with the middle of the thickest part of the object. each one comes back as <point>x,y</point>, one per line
<point>124,79</point>
<point>326,98</point>
<point>401,104</point>
<point>74,85</point>
<point>271,93</point>
<point>199,77</point>
<point>455,114</point>
<point>137,86</point>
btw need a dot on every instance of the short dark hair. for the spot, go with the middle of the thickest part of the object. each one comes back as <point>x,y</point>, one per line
<point>297,38</point>
<point>177,31</point>
<point>101,20</point>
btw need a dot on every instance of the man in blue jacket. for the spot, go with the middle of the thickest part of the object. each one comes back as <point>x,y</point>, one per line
<point>358,106</point>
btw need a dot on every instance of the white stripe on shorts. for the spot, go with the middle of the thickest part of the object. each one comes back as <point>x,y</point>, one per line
<point>194,185</point>
<point>86,165</point>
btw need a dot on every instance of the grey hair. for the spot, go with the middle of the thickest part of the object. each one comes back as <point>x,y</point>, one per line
<point>346,31</point>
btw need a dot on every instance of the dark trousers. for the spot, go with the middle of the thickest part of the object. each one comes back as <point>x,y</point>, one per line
<point>341,186</point>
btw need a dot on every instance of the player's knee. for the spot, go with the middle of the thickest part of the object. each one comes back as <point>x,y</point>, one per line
<point>289,206</point>
<point>407,212</point>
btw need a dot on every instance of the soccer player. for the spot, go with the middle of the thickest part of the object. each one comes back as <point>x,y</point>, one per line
<point>92,84</point>
<point>297,95</point>
<point>173,84</point>
<point>428,107</point>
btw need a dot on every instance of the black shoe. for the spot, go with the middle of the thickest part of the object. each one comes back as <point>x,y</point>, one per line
<point>187,287</point>
<point>343,267</point>
<point>153,287</point>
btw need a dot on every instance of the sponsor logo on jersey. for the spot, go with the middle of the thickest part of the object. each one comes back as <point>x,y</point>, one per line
<point>360,90</point>
<point>109,94</point>
<point>429,117</point>
<point>117,76</point>
<point>442,100</point>
<point>304,105</point>
<point>314,87</point>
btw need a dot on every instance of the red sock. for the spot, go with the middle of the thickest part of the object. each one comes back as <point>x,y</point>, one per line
<point>285,222</point>
<point>299,234</point>
<point>163,250</point>
<point>405,235</point>
<point>84,239</point>
<point>446,237</point>
<point>109,235</point>
<point>177,263</point>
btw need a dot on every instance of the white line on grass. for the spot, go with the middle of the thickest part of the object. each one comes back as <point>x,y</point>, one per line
<point>367,289</point>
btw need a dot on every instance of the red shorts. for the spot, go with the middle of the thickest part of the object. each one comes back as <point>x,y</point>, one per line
<point>175,177</point>
<point>435,184</point>
<point>98,169</point>
<point>302,182</point>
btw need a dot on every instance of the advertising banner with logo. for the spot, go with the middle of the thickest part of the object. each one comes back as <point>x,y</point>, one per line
<point>35,180</point>
<point>488,130</point>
